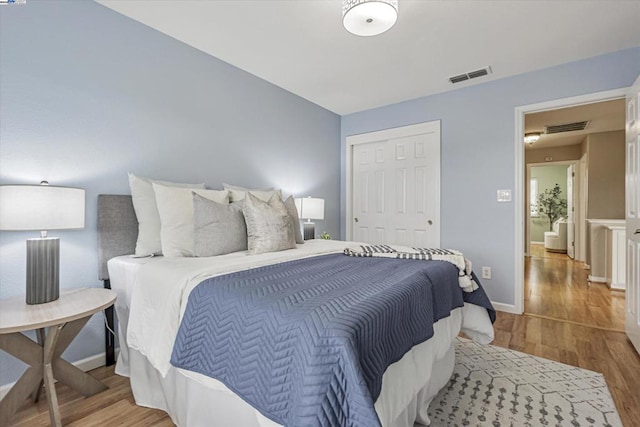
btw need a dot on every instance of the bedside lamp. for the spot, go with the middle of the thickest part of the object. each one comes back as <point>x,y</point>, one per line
<point>41,207</point>
<point>310,208</point>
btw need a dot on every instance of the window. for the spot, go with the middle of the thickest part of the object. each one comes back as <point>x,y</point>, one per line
<point>533,197</point>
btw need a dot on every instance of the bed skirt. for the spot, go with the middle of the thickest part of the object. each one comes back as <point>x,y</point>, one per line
<point>194,400</point>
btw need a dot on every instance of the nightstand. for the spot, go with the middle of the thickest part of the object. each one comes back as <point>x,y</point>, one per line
<point>63,320</point>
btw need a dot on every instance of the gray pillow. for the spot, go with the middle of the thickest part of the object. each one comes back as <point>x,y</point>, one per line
<point>290,204</point>
<point>269,226</point>
<point>239,188</point>
<point>218,228</point>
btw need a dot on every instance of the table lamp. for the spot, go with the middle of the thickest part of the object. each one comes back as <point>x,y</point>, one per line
<point>310,208</point>
<point>41,207</point>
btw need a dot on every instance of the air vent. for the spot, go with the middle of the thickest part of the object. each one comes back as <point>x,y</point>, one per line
<point>470,75</point>
<point>458,79</point>
<point>478,73</point>
<point>567,127</point>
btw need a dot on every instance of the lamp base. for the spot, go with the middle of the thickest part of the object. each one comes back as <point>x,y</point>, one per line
<point>309,230</point>
<point>43,270</point>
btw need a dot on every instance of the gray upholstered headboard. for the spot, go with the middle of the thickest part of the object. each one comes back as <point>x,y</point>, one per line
<point>117,229</point>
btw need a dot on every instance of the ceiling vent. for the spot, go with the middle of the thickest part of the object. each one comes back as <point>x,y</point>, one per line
<point>470,75</point>
<point>567,127</point>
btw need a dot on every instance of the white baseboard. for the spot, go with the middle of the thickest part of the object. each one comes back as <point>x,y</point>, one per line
<point>85,365</point>
<point>507,308</point>
<point>597,279</point>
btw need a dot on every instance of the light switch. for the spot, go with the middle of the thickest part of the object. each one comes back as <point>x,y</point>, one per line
<point>504,195</point>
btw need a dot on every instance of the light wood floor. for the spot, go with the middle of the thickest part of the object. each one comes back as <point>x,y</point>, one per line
<point>113,407</point>
<point>607,352</point>
<point>555,287</point>
<point>590,348</point>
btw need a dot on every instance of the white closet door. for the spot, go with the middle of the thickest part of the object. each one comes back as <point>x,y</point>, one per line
<point>396,188</point>
<point>632,315</point>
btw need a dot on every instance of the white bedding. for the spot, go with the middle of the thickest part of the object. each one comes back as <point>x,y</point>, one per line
<point>152,297</point>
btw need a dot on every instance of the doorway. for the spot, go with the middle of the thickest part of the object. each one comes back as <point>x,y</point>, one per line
<point>564,279</point>
<point>542,180</point>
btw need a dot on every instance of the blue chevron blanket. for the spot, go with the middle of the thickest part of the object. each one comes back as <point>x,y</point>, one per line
<point>306,342</point>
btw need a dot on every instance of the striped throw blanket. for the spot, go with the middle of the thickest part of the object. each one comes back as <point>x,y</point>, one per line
<point>404,252</point>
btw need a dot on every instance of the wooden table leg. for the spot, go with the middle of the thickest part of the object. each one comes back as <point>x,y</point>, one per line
<point>19,393</point>
<point>50,385</point>
<point>45,364</point>
<point>65,372</point>
<point>31,353</point>
<point>35,396</point>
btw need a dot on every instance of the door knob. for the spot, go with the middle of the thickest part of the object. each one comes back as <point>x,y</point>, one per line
<point>430,222</point>
<point>355,219</point>
<point>637,231</point>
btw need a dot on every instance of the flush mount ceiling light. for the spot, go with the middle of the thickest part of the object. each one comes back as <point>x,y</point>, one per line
<point>531,137</point>
<point>369,17</point>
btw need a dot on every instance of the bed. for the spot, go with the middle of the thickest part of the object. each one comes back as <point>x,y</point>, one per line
<point>153,297</point>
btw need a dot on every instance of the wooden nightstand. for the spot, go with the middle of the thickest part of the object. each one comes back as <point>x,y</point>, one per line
<point>63,318</point>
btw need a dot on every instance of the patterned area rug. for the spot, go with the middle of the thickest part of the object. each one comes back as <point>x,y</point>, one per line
<point>493,386</point>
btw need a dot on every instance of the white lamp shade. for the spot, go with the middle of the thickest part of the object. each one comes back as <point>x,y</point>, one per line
<point>369,17</point>
<point>310,208</point>
<point>41,207</point>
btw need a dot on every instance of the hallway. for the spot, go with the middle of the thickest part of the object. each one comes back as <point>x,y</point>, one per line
<point>556,287</point>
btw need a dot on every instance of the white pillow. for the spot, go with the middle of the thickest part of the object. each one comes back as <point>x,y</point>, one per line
<point>175,206</point>
<point>144,203</point>
<point>238,193</point>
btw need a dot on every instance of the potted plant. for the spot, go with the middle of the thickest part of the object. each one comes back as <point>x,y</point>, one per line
<point>551,205</point>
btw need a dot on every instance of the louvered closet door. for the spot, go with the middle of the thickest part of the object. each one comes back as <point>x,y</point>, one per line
<point>632,315</point>
<point>396,190</point>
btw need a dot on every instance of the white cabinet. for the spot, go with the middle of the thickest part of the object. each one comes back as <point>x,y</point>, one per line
<point>616,257</point>
<point>597,257</point>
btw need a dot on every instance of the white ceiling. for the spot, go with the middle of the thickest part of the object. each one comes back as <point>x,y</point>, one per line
<point>602,117</point>
<point>301,46</point>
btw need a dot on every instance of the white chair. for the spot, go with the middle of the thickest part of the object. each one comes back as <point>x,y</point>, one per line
<point>556,240</point>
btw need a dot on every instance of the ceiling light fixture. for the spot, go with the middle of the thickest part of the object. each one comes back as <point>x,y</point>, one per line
<point>369,17</point>
<point>531,137</point>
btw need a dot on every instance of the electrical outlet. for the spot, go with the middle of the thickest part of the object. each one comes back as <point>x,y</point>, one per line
<point>486,272</point>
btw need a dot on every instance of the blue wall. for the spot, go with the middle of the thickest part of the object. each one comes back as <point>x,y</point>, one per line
<point>88,94</point>
<point>478,151</point>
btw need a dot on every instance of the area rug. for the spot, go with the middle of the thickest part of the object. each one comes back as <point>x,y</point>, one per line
<point>493,386</point>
